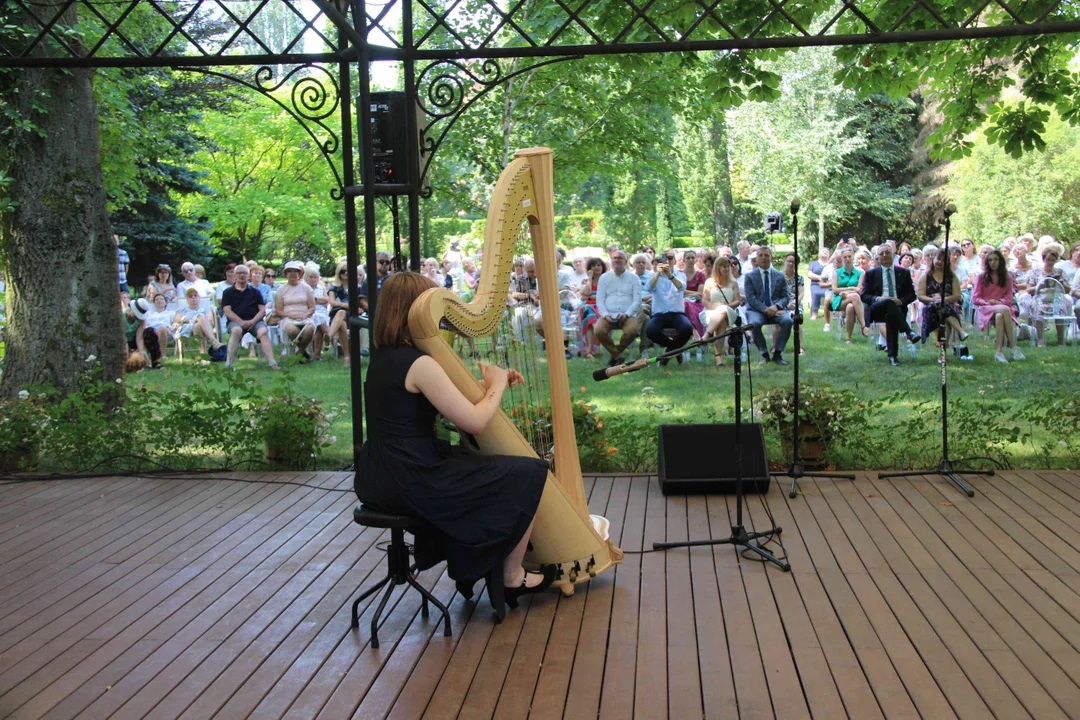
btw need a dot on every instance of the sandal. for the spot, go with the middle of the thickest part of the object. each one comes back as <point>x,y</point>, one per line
<point>719,359</point>
<point>589,356</point>
<point>865,331</point>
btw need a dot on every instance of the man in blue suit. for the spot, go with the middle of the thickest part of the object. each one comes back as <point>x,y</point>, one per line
<point>767,302</point>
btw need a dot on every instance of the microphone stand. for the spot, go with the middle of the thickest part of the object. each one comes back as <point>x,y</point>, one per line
<point>795,470</point>
<point>945,467</point>
<point>740,538</point>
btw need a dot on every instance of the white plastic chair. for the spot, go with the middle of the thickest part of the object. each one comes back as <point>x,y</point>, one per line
<point>1054,307</point>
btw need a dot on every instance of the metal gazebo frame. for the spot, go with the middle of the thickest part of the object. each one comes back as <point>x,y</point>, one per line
<point>460,62</point>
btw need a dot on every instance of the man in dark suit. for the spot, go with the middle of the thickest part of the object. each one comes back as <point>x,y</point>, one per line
<point>767,303</point>
<point>887,291</point>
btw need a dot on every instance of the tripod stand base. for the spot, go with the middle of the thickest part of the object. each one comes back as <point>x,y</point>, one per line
<point>795,472</point>
<point>740,539</point>
<point>945,469</point>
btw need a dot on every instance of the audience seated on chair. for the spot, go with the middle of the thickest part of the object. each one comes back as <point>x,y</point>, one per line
<point>294,304</point>
<point>767,302</point>
<point>244,308</point>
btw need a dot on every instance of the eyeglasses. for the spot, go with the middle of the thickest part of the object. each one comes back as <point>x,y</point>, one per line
<point>187,270</point>
<point>269,275</point>
<point>384,262</point>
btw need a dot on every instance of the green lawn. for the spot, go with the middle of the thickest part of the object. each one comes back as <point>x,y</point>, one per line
<point>699,392</point>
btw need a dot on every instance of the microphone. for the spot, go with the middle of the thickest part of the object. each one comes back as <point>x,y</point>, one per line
<point>950,209</point>
<point>605,373</point>
<point>795,205</point>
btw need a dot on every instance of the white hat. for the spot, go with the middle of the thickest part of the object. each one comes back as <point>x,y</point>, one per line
<point>140,307</point>
<point>294,265</point>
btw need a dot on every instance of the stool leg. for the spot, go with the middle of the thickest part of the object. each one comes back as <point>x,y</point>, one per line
<point>368,592</point>
<point>435,601</point>
<point>375,617</point>
<point>423,607</point>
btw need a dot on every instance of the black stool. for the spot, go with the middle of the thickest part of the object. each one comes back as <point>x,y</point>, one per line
<point>399,571</point>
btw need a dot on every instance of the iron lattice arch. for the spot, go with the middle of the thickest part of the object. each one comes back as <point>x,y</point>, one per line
<point>223,32</point>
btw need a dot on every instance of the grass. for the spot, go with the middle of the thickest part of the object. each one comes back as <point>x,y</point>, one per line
<point>700,393</point>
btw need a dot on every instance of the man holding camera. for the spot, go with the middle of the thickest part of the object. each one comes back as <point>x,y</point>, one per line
<point>668,312</point>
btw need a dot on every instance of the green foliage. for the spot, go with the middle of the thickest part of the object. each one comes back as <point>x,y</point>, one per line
<point>964,79</point>
<point>270,187</point>
<point>1057,416</point>
<point>294,426</point>
<point>692,241</point>
<point>1000,195</point>
<point>23,422</point>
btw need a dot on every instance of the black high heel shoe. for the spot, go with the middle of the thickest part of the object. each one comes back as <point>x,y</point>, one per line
<point>512,594</point>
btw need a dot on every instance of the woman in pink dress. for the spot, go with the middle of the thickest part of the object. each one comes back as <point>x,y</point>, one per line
<point>993,300</point>
<point>695,286</point>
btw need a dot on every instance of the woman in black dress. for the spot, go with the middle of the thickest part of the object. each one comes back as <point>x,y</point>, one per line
<point>935,312</point>
<point>478,510</point>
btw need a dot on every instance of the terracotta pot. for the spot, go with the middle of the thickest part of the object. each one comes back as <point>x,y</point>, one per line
<point>811,445</point>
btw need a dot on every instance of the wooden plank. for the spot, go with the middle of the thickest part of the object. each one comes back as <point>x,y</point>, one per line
<point>553,684</point>
<point>954,661</point>
<point>1013,670</point>
<point>751,684</point>
<point>127,671</point>
<point>829,599</point>
<point>49,611</point>
<point>683,672</point>
<point>1048,595</point>
<point>917,678</point>
<point>218,658</point>
<point>819,694</point>
<point>587,672</point>
<point>842,663</point>
<point>620,662</point>
<point>118,653</point>
<point>651,668</point>
<point>1051,530</point>
<point>718,690</point>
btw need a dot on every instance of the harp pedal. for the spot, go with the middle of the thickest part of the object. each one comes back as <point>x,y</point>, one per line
<point>590,566</point>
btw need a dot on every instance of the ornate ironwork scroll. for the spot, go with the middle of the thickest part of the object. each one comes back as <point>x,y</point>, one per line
<point>312,99</point>
<point>446,89</point>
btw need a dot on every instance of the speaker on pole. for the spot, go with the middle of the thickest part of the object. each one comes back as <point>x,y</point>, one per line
<point>700,459</point>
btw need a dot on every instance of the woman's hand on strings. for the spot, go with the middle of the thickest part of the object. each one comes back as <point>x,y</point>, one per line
<point>493,376</point>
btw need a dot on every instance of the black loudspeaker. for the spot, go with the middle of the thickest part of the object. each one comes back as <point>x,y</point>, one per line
<point>700,459</point>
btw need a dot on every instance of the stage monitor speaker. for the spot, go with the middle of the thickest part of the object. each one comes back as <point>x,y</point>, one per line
<point>700,459</point>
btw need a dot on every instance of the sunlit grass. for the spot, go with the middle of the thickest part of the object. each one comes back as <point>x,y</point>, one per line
<point>698,392</point>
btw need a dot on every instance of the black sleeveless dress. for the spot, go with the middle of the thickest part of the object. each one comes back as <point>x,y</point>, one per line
<point>477,508</point>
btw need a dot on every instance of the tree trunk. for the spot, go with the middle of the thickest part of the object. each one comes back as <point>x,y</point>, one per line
<point>663,215</point>
<point>64,296</point>
<point>820,227</point>
<point>725,216</point>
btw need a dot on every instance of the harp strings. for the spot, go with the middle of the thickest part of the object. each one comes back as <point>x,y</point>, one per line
<point>516,344</point>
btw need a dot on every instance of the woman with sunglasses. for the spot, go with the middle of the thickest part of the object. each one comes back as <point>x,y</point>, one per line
<point>338,300</point>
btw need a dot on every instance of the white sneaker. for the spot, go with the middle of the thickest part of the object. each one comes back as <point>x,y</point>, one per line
<point>1000,357</point>
<point>1016,354</point>
<point>826,328</point>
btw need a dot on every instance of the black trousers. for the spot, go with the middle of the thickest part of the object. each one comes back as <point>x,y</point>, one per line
<point>895,318</point>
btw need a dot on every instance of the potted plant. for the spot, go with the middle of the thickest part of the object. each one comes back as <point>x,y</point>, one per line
<point>823,415</point>
<point>294,428</point>
<point>23,423</point>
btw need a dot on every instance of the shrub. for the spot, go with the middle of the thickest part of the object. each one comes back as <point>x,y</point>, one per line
<point>294,427</point>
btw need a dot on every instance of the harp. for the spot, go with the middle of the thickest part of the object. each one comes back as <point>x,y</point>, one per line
<point>564,532</point>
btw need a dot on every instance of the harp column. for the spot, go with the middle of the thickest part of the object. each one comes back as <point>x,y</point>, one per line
<point>542,227</point>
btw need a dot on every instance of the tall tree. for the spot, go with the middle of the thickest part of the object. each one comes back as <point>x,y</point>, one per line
<point>57,242</point>
<point>999,195</point>
<point>701,145</point>
<point>796,145</point>
<point>270,186</point>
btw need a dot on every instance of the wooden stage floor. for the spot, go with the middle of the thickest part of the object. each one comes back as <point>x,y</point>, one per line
<point>204,598</point>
